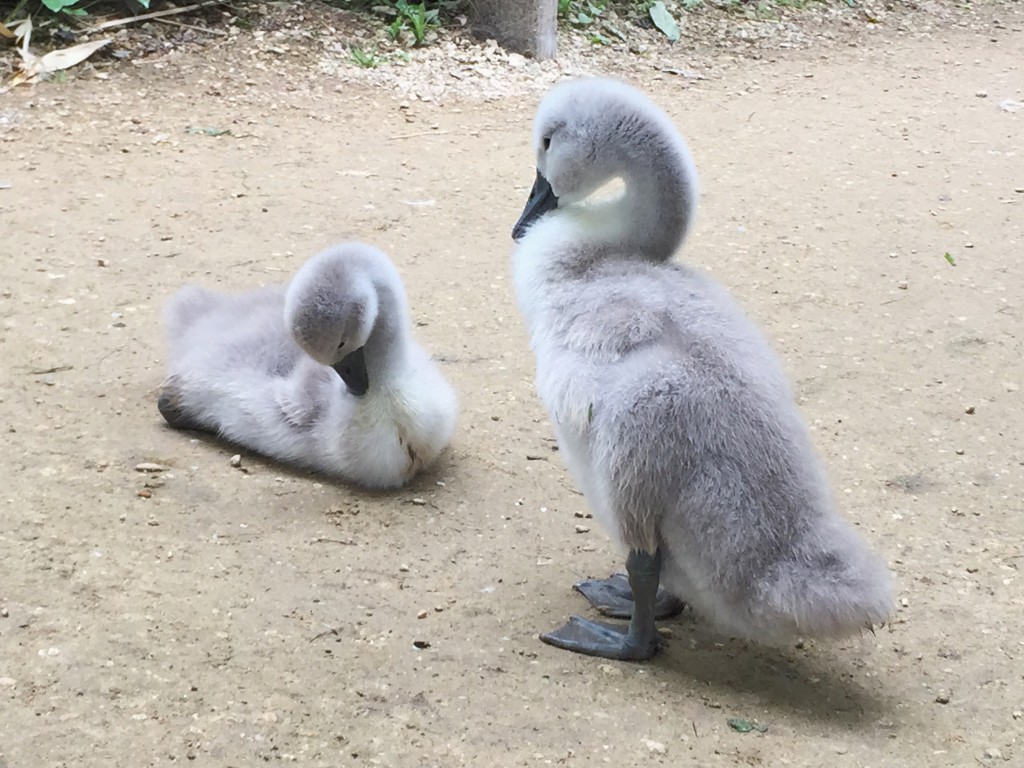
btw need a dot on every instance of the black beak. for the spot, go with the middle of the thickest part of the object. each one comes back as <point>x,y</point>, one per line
<point>542,199</point>
<point>352,370</point>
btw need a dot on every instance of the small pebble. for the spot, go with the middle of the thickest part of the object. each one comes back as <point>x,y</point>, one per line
<point>992,753</point>
<point>609,670</point>
<point>1017,714</point>
<point>148,466</point>
<point>4,613</point>
<point>403,568</point>
<point>421,644</point>
<point>972,569</point>
<point>7,682</point>
<point>902,285</point>
<point>654,747</point>
<point>582,529</point>
<point>144,493</point>
<point>421,615</point>
<point>981,94</point>
<point>969,410</point>
<point>419,502</point>
<point>236,460</point>
<point>942,698</point>
<point>665,632</point>
<point>959,451</point>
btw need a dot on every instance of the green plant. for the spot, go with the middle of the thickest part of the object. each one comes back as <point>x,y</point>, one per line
<point>581,13</point>
<point>395,28</point>
<point>402,17</point>
<point>416,18</point>
<point>364,59</point>
<point>74,7</point>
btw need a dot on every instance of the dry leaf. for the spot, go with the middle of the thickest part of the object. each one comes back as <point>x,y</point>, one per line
<point>33,66</point>
<point>23,32</point>
<point>65,58</point>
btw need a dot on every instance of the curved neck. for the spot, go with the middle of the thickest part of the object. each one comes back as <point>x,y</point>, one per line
<point>385,350</point>
<point>660,197</point>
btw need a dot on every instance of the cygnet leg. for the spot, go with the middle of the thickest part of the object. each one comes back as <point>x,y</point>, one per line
<point>613,597</point>
<point>640,640</point>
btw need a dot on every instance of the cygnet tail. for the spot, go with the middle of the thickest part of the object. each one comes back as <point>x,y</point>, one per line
<point>832,588</point>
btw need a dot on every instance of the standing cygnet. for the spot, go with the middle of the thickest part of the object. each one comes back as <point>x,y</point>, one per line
<point>322,373</point>
<point>671,410</point>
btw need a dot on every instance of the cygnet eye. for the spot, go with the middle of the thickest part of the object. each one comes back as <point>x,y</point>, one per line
<point>341,344</point>
<point>546,143</point>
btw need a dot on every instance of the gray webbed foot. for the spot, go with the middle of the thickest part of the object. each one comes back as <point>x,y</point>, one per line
<point>608,641</point>
<point>638,641</point>
<point>170,407</point>
<point>613,597</point>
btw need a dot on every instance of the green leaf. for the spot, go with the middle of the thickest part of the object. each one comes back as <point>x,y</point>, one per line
<point>58,5</point>
<point>663,20</point>
<point>740,725</point>
<point>949,257</point>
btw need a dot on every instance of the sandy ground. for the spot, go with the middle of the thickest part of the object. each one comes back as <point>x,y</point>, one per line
<point>218,616</point>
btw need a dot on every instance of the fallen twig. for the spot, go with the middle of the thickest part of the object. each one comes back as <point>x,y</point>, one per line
<point>324,540</point>
<point>419,133</point>
<point>205,30</point>
<point>153,15</point>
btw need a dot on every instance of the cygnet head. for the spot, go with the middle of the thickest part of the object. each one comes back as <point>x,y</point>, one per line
<point>331,307</point>
<point>588,132</point>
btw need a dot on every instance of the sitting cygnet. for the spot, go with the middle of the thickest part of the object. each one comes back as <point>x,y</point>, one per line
<point>322,373</point>
<point>671,410</point>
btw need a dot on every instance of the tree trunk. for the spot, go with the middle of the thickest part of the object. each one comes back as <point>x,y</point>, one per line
<point>524,26</point>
